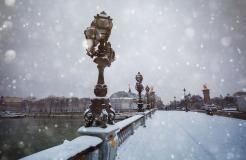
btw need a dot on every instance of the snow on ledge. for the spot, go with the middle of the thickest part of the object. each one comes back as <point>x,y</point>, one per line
<point>128,121</point>
<point>110,130</point>
<point>66,150</point>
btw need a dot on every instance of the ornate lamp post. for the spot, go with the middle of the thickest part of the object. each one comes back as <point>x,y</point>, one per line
<point>100,111</point>
<point>147,96</point>
<point>152,98</point>
<point>175,102</point>
<point>139,87</point>
<point>184,92</point>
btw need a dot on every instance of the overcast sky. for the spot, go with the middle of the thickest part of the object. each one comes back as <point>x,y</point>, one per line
<point>173,43</point>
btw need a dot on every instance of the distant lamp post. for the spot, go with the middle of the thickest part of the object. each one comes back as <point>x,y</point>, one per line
<point>152,98</point>
<point>175,102</point>
<point>184,92</point>
<point>139,87</point>
<point>147,96</point>
<point>100,111</point>
<point>188,101</point>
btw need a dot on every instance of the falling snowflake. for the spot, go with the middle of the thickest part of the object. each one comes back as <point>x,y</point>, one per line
<point>190,32</point>
<point>225,41</point>
<point>172,156</point>
<point>9,2</point>
<point>9,56</point>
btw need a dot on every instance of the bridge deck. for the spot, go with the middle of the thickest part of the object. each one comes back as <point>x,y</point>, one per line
<point>188,136</point>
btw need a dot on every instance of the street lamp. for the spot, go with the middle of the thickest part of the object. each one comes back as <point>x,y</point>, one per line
<point>152,98</point>
<point>184,92</point>
<point>147,96</point>
<point>188,100</point>
<point>139,87</point>
<point>100,112</point>
<point>175,102</point>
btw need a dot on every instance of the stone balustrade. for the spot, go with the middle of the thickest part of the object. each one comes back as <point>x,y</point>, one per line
<point>95,143</point>
<point>83,147</point>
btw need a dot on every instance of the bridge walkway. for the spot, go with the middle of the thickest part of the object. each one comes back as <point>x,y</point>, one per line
<point>187,136</point>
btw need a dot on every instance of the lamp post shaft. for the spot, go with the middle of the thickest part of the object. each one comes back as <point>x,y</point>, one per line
<point>100,74</point>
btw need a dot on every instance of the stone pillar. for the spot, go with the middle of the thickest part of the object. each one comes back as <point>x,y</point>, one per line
<point>108,149</point>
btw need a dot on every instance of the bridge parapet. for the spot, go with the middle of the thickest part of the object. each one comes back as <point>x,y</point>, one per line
<point>95,143</point>
<point>83,147</point>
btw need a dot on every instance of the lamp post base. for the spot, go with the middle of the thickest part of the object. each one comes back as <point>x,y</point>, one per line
<point>99,113</point>
<point>148,106</point>
<point>140,107</point>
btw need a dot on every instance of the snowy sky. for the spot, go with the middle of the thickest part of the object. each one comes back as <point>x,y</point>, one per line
<point>173,43</point>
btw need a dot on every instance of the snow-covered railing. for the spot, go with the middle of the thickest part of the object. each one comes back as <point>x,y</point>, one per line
<point>114,135</point>
<point>127,127</point>
<point>95,143</point>
<point>83,147</point>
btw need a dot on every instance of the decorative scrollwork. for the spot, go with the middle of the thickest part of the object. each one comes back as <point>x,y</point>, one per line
<point>89,118</point>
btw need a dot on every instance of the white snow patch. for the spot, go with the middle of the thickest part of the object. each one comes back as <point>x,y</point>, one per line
<point>87,43</point>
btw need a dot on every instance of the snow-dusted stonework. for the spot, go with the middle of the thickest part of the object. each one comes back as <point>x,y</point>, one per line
<point>66,150</point>
<point>96,143</point>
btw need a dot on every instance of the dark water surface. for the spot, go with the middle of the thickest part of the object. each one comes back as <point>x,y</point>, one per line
<point>23,136</point>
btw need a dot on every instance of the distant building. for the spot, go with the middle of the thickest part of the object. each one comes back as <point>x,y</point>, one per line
<point>240,98</point>
<point>14,104</point>
<point>219,102</point>
<point>126,101</point>
<point>54,104</point>
<point>49,104</point>
<point>123,101</point>
<point>206,94</point>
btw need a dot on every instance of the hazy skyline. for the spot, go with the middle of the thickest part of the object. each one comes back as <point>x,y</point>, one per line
<point>175,44</point>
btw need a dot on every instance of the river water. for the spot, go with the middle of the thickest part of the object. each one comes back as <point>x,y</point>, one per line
<point>23,136</point>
